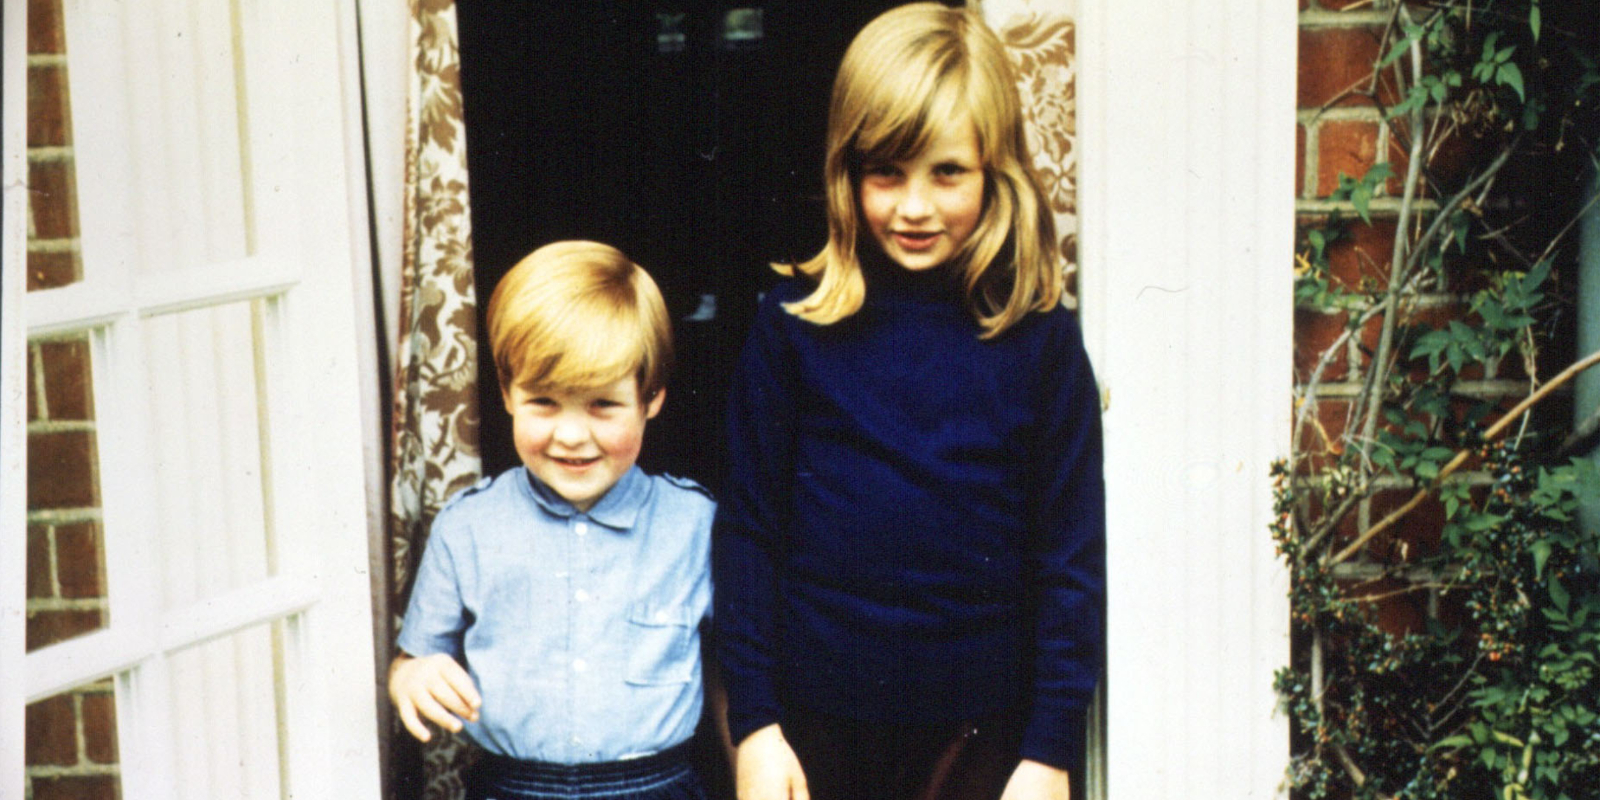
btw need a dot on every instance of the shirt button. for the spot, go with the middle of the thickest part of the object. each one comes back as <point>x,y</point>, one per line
<point>581,528</point>
<point>579,665</point>
<point>581,596</point>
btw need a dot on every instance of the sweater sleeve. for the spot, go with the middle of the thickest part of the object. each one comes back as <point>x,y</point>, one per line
<point>1068,517</point>
<point>751,520</point>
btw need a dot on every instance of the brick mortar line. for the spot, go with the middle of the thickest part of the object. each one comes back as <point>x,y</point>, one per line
<point>1312,162</point>
<point>1425,300</point>
<point>1475,477</point>
<point>1354,570</point>
<point>41,401</point>
<point>1323,19</point>
<point>65,245</point>
<point>87,769</point>
<point>54,559</point>
<point>66,604</point>
<point>1382,206</point>
<point>61,426</point>
<point>37,155</point>
<point>64,516</point>
<point>1483,389</point>
<point>1317,116</point>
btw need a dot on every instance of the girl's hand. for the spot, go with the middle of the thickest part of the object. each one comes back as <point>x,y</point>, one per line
<point>1035,781</point>
<point>765,768</point>
<point>438,688</point>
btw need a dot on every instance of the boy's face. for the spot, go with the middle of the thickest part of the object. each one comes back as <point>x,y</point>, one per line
<point>580,442</point>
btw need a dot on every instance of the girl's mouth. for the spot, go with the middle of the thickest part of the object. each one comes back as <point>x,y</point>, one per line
<point>915,240</point>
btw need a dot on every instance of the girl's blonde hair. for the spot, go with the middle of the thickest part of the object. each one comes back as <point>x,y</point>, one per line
<point>579,315</point>
<point>908,72</point>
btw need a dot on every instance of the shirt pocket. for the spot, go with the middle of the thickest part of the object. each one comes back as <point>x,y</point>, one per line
<point>662,645</point>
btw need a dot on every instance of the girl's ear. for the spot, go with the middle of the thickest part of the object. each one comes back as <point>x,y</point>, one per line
<point>653,406</point>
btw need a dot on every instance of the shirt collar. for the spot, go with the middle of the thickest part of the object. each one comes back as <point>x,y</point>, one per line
<point>617,509</point>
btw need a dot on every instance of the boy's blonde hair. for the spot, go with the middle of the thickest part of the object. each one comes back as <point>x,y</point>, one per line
<point>579,314</point>
<point>909,71</point>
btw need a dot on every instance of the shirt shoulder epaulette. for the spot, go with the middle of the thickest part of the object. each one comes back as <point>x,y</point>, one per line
<point>483,483</point>
<point>690,484</point>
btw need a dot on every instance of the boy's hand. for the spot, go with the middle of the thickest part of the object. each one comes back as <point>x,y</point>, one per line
<point>437,687</point>
<point>765,768</point>
<point>1035,781</point>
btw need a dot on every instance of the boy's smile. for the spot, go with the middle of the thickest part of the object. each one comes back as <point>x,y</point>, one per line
<point>580,442</point>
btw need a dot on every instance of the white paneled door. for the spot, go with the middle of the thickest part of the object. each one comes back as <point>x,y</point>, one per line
<point>222,224</point>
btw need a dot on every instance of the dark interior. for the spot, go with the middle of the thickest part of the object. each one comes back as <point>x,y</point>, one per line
<point>689,135</point>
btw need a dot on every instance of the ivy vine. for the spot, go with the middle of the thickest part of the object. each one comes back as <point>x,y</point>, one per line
<point>1454,654</point>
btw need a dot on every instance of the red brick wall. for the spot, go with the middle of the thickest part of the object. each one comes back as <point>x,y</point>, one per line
<point>70,745</point>
<point>1340,129</point>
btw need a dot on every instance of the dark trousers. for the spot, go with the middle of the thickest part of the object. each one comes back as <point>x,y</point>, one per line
<point>663,776</point>
<point>846,759</point>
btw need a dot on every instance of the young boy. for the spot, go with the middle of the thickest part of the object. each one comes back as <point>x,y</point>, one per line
<point>555,613</point>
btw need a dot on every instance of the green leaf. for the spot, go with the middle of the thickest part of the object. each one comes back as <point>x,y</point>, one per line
<point>1360,196</point>
<point>1510,75</point>
<point>1558,594</point>
<point>1401,46</point>
<point>1535,277</point>
<point>1458,740</point>
<point>1541,554</point>
<point>1534,21</point>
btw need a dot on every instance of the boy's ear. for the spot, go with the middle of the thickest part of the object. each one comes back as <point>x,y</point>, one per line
<point>652,407</point>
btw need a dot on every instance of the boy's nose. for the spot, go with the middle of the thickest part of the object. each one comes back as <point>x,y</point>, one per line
<point>569,432</point>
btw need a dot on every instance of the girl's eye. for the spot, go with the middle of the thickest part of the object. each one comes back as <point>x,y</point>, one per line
<point>949,170</point>
<point>880,170</point>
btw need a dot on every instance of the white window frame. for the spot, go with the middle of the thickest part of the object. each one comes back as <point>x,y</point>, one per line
<point>310,232</point>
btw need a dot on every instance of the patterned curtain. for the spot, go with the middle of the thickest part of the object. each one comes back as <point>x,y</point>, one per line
<point>1040,37</point>
<point>435,444</point>
<point>1041,45</point>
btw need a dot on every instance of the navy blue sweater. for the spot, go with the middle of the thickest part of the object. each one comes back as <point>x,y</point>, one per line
<point>913,527</point>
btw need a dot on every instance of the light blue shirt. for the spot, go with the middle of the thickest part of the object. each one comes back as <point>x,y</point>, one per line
<point>581,630</point>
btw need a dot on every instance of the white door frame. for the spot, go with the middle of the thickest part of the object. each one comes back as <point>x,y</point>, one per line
<point>1186,115</point>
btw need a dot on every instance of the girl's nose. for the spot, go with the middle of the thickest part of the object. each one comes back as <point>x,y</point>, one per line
<point>915,204</point>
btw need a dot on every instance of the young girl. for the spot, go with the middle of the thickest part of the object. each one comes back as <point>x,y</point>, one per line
<point>909,558</point>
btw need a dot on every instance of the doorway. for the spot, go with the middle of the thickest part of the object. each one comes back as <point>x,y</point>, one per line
<point>688,134</point>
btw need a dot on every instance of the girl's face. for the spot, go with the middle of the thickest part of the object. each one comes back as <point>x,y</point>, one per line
<point>922,209</point>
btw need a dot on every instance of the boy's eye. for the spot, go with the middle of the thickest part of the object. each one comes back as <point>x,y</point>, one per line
<point>542,401</point>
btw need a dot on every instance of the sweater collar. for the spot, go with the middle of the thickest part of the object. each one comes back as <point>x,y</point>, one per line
<point>885,278</point>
